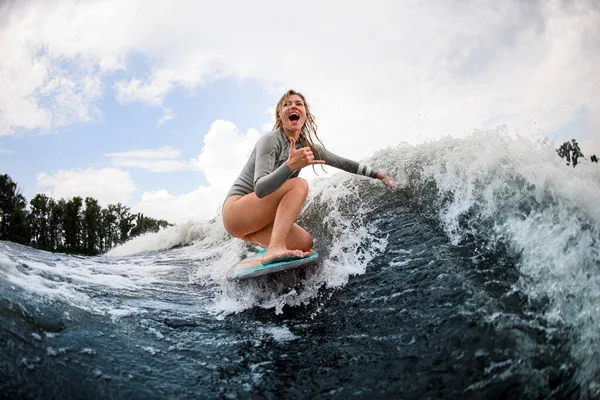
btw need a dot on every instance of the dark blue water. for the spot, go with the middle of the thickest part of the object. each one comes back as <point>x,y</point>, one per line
<point>477,281</point>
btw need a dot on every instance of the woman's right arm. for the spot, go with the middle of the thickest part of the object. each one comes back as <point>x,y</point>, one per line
<point>355,168</point>
<point>267,178</point>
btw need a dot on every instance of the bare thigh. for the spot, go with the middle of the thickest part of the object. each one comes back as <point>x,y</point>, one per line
<point>251,218</point>
<point>248,214</point>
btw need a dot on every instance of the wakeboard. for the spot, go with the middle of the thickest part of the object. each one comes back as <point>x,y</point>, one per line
<point>252,268</point>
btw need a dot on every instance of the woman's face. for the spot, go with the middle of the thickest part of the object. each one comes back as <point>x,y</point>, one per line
<point>293,113</point>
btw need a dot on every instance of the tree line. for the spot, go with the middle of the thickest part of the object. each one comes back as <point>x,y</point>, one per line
<point>74,226</point>
<point>571,152</point>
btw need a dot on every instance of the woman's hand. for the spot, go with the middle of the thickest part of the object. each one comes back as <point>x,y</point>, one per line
<point>388,180</point>
<point>301,158</point>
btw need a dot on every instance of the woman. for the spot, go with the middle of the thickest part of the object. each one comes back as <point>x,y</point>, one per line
<point>266,198</point>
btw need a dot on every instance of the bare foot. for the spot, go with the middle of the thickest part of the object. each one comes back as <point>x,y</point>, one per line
<point>279,255</point>
<point>249,262</point>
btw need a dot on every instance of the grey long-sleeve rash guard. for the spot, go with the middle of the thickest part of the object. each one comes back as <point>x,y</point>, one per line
<point>266,169</point>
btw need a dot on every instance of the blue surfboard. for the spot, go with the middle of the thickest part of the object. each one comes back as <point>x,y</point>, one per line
<point>252,268</point>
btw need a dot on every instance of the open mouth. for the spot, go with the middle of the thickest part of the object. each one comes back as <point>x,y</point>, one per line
<point>294,117</point>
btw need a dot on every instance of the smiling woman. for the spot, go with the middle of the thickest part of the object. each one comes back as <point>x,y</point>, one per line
<point>265,199</point>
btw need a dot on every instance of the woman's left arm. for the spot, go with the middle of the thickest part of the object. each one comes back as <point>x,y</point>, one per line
<point>354,167</point>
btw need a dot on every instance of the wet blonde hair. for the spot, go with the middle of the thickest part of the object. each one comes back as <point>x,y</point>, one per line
<point>308,135</point>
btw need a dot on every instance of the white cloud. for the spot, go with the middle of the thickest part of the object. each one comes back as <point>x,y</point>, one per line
<point>397,70</point>
<point>166,152</point>
<point>200,204</point>
<point>167,116</point>
<point>223,155</point>
<point>42,87</point>
<point>107,185</point>
<point>151,93</point>
<point>268,126</point>
<point>163,159</point>
<point>152,165</point>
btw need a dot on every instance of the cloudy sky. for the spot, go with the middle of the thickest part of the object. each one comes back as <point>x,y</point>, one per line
<point>157,104</point>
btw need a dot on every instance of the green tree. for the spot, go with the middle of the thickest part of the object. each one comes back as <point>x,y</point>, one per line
<point>108,232</point>
<point>145,224</point>
<point>14,224</point>
<point>39,221</point>
<point>163,223</point>
<point>124,221</point>
<point>571,152</point>
<point>72,222</point>
<point>92,221</point>
<point>57,232</point>
<point>68,226</point>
